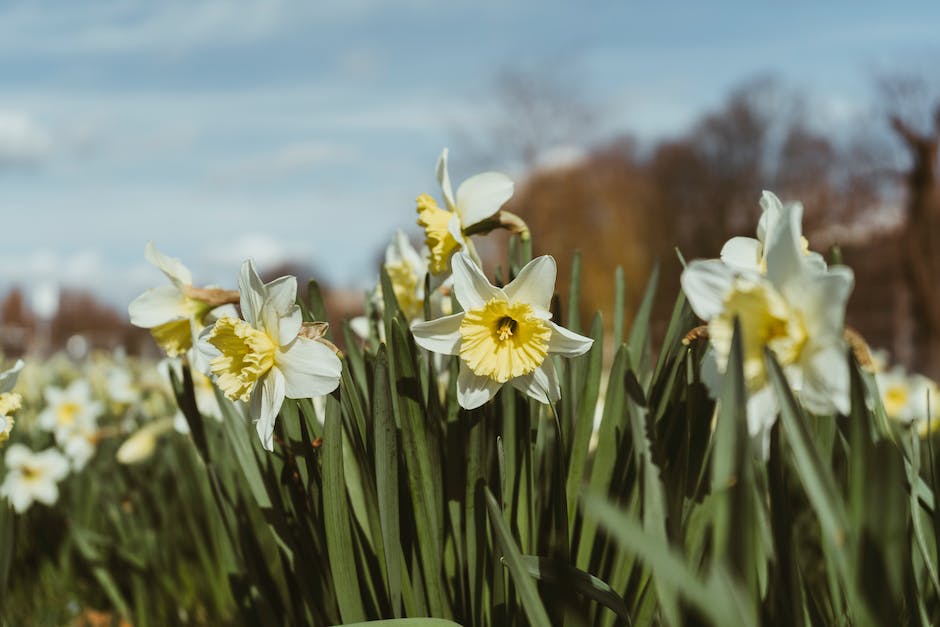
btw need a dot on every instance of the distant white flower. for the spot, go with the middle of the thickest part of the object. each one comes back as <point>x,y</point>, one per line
<point>747,254</point>
<point>796,310</point>
<point>121,386</point>
<point>503,335</point>
<point>33,476</point>
<point>70,409</point>
<point>268,355</point>
<point>910,399</point>
<point>174,313</point>
<point>477,199</point>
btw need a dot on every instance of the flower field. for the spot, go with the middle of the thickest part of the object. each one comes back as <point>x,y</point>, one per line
<point>472,452</point>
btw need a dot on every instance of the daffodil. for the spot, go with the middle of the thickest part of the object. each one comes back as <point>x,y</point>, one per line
<point>177,312</point>
<point>477,200</point>
<point>270,354</point>
<point>796,310</point>
<point>910,399</point>
<point>72,415</point>
<point>9,401</point>
<point>503,335</point>
<point>143,442</point>
<point>747,254</point>
<point>33,476</point>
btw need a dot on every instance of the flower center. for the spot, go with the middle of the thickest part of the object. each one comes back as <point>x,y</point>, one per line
<point>66,412</point>
<point>247,355</point>
<point>438,238</point>
<point>895,399</point>
<point>766,320</point>
<point>30,473</point>
<point>503,341</point>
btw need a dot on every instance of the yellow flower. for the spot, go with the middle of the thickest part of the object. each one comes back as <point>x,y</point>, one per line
<point>266,357</point>
<point>504,335</point>
<point>477,199</point>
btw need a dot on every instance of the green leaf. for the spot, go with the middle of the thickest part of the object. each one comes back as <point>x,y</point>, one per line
<point>404,622</point>
<point>528,595</point>
<point>336,522</point>
<point>590,586</point>
<point>386,476</point>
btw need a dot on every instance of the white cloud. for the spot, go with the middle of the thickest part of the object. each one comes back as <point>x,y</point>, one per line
<point>23,142</point>
<point>288,159</point>
<point>266,251</point>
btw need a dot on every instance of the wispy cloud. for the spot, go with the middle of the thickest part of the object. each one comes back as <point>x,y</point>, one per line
<point>23,142</point>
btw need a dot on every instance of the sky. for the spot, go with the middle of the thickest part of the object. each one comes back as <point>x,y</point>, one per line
<point>277,130</point>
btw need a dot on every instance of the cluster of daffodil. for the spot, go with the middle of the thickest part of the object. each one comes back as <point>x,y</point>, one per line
<point>67,409</point>
<point>785,300</point>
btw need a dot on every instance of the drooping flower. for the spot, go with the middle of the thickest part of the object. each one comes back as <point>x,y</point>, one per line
<point>270,354</point>
<point>796,310</point>
<point>746,254</point>
<point>33,476</point>
<point>504,335</point>
<point>478,199</point>
<point>174,313</point>
<point>9,401</point>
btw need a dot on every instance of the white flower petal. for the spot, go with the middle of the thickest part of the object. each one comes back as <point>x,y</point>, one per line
<point>17,455</point>
<point>566,342</point>
<point>266,401</point>
<point>45,491</point>
<point>540,384</point>
<point>821,297</point>
<point>826,380</point>
<point>8,377</point>
<point>204,352</point>
<point>762,409</point>
<point>309,367</point>
<point>474,390</point>
<point>480,196</point>
<point>742,253</point>
<point>773,209</point>
<point>783,249</point>
<point>283,327</point>
<point>535,283</point>
<point>706,284</point>
<point>20,496</point>
<point>441,335</point>
<point>170,266</point>
<point>252,293</point>
<point>443,177</point>
<point>472,288</point>
<point>158,306</point>
<point>281,294</point>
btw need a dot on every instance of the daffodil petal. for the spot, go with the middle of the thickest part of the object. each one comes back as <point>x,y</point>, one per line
<point>822,298</point>
<point>443,177</point>
<point>742,253</point>
<point>309,367</point>
<point>157,306</point>
<point>441,335</point>
<point>474,390</point>
<point>471,287</point>
<point>252,293</point>
<point>170,266</point>
<point>266,402</point>
<point>535,283</point>
<point>540,384</point>
<point>772,210</point>
<point>762,409</point>
<point>8,377</point>
<point>480,196</point>
<point>17,455</point>
<point>705,284</point>
<point>281,294</point>
<point>46,492</point>
<point>783,249</point>
<point>826,380</point>
<point>566,342</point>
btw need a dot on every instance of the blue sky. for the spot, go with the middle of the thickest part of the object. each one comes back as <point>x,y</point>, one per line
<point>275,129</point>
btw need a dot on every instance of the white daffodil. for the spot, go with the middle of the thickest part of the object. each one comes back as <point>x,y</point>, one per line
<point>69,410</point>
<point>746,254</point>
<point>406,269</point>
<point>270,354</point>
<point>910,399</point>
<point>796,310</point>
<point>174,313</point>
<point>9,401</point>
<point>503,335</point>
<point>33,476</point>
<point>477,199</point>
